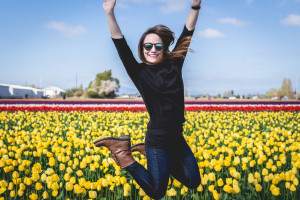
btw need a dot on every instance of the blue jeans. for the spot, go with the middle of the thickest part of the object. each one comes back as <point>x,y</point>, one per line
<point>178,161</point>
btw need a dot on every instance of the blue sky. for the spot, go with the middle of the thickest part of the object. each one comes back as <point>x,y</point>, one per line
<point>248,46</point>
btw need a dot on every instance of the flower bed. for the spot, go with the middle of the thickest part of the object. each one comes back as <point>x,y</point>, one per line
<point>241,155</point>
<point>134,108</point>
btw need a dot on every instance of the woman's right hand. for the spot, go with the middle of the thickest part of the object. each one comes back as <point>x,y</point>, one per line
<point>109,5</point>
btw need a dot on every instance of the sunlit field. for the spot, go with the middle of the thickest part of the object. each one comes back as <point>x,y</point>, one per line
<point>241,155</point>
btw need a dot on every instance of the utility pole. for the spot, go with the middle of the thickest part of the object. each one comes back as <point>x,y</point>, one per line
<point>76,81</point>
<point>297,88</point>
<point>40,82</point>
<point>189,94</point>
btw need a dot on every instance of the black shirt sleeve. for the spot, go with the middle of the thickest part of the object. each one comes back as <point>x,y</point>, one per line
<point>126,56</point>
<point>185,33</point>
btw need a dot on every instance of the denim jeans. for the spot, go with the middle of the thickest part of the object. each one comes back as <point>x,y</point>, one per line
<point>178,161</point>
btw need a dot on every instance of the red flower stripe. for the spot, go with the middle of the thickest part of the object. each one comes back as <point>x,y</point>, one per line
<point>140,109</point>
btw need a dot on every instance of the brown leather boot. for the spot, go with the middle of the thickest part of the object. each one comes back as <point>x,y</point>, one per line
<point>138,147</point>
<point>119,148</point>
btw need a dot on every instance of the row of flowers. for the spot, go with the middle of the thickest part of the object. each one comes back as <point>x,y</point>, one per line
<point>132,102</point>
<point>143,108</point>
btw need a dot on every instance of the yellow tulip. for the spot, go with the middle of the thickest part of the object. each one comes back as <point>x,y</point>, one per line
<point>275,191</point>
<point>10,186</point>
<point>35,176</point>
<point>228,181</point>
<point>126,188</point>
<point>73,180</point>
<point>3,184</point>
<point>69,170</point>
<point>67,177</point>
<point>2,190</point>
<point>54,186</point>
<point>287,185</point>
<point>171,192</point>
<point>258,187</point>
<point>12,193</point>
<point>20,193</point>
<point>227,188</point>
<point>211,177</point>
<point>38,186</point>
<point>216,195</point>
<point>15,174</point>
<point>62,167</point>
<point>54,193</point>
<point>295,182</point>
<point>93,194</point>
<point>236,189</point>
<point>265,172</point>
<point>220,182</point>
<point>176,183</point>
<point>49,171</point>
<point>211,188</point>
<point>44,177</point>
<point>77,189</point>
<point>79,173</point>
<point>293,188</point>
<point>33,196</point>
<point>27,181</point>
<point>69,186</point>
<point>141,192</point>
<point>200,188</point>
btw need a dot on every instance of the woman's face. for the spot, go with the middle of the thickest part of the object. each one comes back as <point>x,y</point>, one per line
<point>155,53</point>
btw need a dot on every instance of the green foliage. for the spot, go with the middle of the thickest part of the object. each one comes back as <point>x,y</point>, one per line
<point>75,92</point>
<point>104,86</point>
<point>106,75</point>
<point>286,88</point>
<point>273,92</point>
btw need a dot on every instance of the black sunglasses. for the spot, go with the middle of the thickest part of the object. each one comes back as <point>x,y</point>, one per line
<point>158,46</point>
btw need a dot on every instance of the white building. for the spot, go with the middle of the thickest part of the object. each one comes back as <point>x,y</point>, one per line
<point>53,92</point>
<point>8,91</point>
<point>17,91</point>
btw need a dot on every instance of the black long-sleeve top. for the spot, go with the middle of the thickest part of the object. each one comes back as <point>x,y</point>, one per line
<point>161,85</point>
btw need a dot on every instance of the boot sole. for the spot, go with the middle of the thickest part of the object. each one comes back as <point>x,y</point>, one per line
<point>122,138</point>
<point>136,145</point>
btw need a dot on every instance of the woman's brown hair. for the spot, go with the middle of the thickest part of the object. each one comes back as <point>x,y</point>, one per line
<point>168,38</point>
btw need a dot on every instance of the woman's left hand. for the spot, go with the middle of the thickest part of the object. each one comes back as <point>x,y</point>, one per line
<point>196,3</point>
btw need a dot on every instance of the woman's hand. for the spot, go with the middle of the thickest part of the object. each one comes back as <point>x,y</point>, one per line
<point>109,5</point>
<point>196,3</point>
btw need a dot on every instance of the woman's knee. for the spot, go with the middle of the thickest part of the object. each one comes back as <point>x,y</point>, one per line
<point>158,194</point>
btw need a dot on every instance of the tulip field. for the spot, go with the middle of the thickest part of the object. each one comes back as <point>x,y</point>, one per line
<point>243,152</point>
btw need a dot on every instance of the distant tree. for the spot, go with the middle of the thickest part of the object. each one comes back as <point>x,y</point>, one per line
<point>286,88</point>
<point>104,86</point>
<point>228,93</point>
<point>75,92</point>
<point>238,96</point>
<point>273,92</point>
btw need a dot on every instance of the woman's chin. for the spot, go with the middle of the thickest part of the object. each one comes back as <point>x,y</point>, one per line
<point>152,61</point>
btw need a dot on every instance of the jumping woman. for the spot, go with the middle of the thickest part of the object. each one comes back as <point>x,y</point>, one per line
<point>159,80</point>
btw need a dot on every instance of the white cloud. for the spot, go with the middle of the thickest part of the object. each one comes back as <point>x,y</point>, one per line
<point>293,20</point>
<point>66,29</point>
<point>249,2</point>
<point>210,33</point>
<point>173,6</point>
<point>168,6</point>
<point>232,21</point>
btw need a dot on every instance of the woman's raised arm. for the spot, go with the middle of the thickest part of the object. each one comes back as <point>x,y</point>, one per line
<point>193,16</point>
<point>108,7</point>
